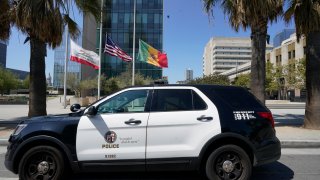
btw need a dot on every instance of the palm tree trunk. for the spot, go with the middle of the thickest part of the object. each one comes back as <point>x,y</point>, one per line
<point>312,113</point>
<point>37,88</point>
<point>258,63</point>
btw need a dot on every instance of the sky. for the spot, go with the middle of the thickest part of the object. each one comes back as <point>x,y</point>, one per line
<point>187,29</point>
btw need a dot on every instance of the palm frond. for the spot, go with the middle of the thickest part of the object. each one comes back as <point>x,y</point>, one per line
<point>306,15</point>
<point>72,27</point>
<point>91,7</point>
<point>209,5</point>
<point>40,19</point>
<point>248,13</point>
<point>4,20</point>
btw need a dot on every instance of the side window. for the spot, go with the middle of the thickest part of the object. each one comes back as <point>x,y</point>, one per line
<point>126,102</point>
<point>198,103</point>
<point>172,100</point>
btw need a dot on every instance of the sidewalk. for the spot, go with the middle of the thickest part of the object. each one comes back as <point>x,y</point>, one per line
<point>288,125</point>
<point>11,115</point>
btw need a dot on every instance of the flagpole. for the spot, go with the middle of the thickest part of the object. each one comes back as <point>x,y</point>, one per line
<point>65,70</point>
<point>100,49</point>
<point>134,41</point>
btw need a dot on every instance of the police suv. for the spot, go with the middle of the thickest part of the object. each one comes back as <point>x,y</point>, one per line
<point>222,131</point>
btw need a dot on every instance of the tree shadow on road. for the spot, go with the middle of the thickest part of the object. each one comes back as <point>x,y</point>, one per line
<point>272,171</point>
<point>139,176</point>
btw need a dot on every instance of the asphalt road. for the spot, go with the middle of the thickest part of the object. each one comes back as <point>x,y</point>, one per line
<point>300,164</point>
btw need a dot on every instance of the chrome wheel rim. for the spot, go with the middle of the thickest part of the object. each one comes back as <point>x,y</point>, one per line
<point>228,166</point>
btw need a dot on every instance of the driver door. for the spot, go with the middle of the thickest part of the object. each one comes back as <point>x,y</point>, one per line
<point>118,131</point>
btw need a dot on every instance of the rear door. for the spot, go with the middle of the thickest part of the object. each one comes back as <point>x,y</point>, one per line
<point>182,120</point>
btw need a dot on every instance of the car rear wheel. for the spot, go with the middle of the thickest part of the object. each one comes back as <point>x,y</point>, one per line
<point>41,162</point>
<point>228,162</point>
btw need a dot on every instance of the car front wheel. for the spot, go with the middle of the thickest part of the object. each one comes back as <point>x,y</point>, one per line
<point>229,162</point>
<point>41,162</point>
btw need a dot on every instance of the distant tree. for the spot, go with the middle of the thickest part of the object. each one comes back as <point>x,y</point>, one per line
<point>24,84</point>
<point>216,79</point>
<point>73,83</point>
<point>301,73</point>
<point>8,81</point>
<point>242,80</point>
<point>125,79</point>
<point>271,80</point>
<point>110,86</point>
<point>88,86</point>
<point>279,76</point>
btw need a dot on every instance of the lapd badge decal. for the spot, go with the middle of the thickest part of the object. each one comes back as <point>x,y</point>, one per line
<point>110,137</point>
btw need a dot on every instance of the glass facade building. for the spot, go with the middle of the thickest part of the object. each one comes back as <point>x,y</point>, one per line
<point>59,62</point>
<point>3,54</point>
<point>118,23</point>
<point>281,36</point>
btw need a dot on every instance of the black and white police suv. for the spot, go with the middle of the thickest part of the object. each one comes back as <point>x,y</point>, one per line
<point>222,131</point>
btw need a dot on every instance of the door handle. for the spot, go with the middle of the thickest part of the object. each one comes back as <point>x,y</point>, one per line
<point>204,118</point>
<point>132,122</point>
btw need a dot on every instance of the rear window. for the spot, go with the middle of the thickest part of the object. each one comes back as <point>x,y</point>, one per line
<point>238,98</point>
<point>176,100</point>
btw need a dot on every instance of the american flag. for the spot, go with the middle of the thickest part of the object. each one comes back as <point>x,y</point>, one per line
<point>114,50</point>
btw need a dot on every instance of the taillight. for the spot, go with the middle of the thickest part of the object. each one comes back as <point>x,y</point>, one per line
<point>267,115</point>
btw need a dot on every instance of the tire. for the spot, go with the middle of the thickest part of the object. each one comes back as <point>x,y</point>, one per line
<point>228,162</point>
<point>41,162</point>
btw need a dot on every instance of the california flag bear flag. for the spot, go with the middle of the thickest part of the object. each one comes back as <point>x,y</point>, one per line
<point>83,56</point>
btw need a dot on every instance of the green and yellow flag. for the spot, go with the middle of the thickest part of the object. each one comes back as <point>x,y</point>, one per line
<point>152,56</point>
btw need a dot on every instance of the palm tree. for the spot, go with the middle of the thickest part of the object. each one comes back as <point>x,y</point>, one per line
<point>254,14</point>
<point>306,15</point>
<point>4,20</point>
<point>43,22</point>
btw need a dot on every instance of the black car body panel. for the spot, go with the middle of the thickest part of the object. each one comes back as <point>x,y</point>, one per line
<point>59,129</point>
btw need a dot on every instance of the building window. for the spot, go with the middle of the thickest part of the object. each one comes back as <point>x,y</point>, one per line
<point>289,54</point>
<point>293,53</point>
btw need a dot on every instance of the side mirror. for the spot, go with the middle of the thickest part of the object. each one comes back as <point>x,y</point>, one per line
<point>75,107</point>
<point>92,111</point>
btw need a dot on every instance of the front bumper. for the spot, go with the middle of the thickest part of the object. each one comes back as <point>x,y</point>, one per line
<point>268,151</point>
<point>9,157</point>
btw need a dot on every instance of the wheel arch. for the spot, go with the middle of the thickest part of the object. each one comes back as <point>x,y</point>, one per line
<point>224,139</point>
<point>43,140</point>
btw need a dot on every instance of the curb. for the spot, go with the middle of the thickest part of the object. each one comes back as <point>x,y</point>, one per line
<point>300,144</point>
<point>4,142</point>
<point>285,106</point>
<point>284,143</point>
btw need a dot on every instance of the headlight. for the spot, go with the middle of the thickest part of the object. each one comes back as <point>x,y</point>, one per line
<point>18,129</point>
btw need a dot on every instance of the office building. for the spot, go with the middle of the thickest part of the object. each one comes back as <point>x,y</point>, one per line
<point>21,75</point>
<point>3,54</point>
<point>189,74</point>
<point>49,80</point>
<point>118,23</point>
<point>222,54</point>
<point>281,36</point>
<point>3,60</point>
<point>290,49</point>
<point>59,62</point>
